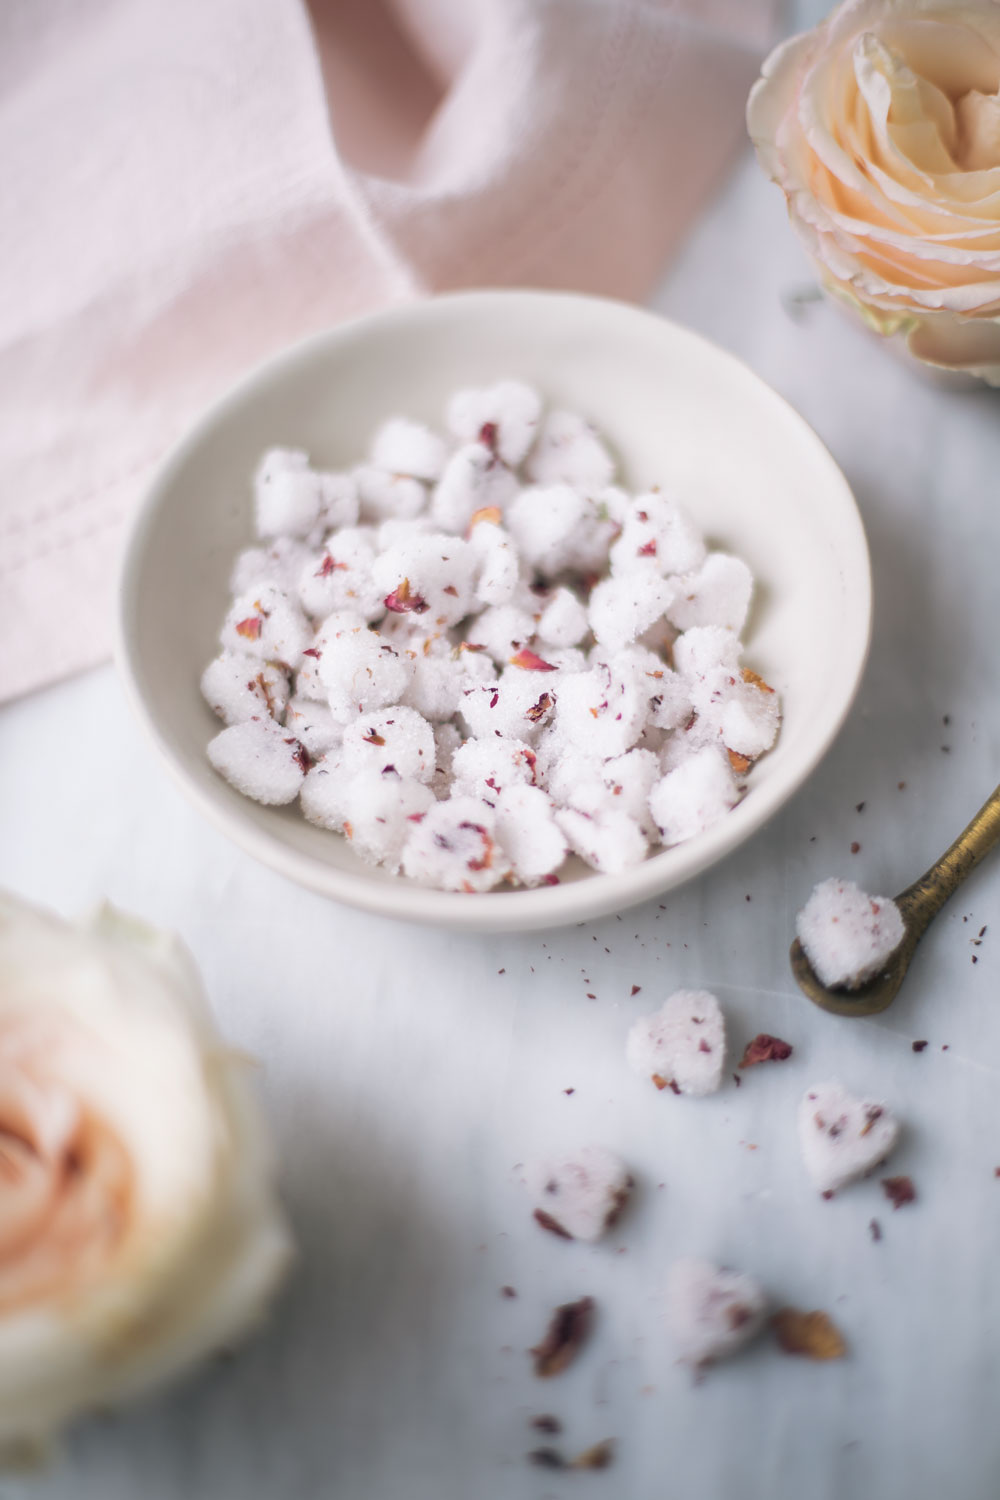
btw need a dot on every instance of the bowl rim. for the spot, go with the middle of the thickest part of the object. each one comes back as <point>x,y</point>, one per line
<point>540,907</point>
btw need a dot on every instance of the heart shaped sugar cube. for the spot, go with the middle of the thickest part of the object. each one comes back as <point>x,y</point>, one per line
<point>581,1194</point>
<point>710,1312</point>
<point>682,1045</point>
<point>842,1137</point>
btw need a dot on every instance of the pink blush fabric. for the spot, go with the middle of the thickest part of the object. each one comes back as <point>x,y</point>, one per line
<point>190,186</point>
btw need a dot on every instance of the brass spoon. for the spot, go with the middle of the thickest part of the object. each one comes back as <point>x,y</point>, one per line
<point>918,905</point>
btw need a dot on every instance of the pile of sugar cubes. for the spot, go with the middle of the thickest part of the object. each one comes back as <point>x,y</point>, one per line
<point>475,653</point>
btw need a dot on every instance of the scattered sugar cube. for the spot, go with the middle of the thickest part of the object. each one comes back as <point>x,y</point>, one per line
<point>625,605</point>
<point>237,687</point>
<point>314,726</point>
<point>717,594</point>
<point>267,624</point>
<point>848,935</point>
<point>711,1312</point>
<point>503,418</point>
<point>405,447</point>
<point>681,1046</point>
<point>453,847</point>
<point>842,1137</point>
<point>528,831</point>
<point>569,451</point>
<point>395,741</point>
<point>692,799</point>
<point>260,759</point>
<point>580,1194</point>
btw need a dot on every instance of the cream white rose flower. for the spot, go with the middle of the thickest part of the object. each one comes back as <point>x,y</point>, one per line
<point>882,128</point>
<point>139,1226</point>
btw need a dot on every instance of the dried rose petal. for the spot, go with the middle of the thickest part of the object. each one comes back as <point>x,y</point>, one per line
<point>546,1221</point>
<point>899,1190</point>
<point>404,601</point>
<point>740,763</point>
<point>812,1334</point>
<point>540,709</point>
<point>249,628</point>
<point>311,651</point>
<point>568,1330</point>
<point>300,755</point>
<point>547,1423</point>
<point>488,436</point>
<point>373,738</point>
<point>327,566</point>
<point>531,661</point>
<point>756,681</point>
<point>599,1456</point>
<point>765,1048</point>
<point>547,1458</point>
<point>488,513</point>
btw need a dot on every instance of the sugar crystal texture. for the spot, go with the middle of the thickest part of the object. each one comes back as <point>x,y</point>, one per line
<point>711,1312</point>
<point>848,935</point>
<point>842,1137</point>
<point>503,417</point>
<point>476,655</point>
<point>260,759</point>
<point>582,1192</point>
<point>453,847</point>
<point>682,1045</point>
<point>236,687</point>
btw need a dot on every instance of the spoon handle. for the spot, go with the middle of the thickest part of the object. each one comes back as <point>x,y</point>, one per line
<point>922,900</point>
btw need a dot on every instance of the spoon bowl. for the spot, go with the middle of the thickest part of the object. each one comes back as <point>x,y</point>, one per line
<point>918,905</point>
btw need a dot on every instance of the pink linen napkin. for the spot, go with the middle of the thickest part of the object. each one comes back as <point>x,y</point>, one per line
<point>190,184</point>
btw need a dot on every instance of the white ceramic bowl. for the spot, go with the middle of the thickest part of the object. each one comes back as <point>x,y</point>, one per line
<point>755,476</point>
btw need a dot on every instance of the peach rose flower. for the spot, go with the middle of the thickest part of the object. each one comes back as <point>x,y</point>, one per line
<point>882,128</point>
<point>139,1227</point>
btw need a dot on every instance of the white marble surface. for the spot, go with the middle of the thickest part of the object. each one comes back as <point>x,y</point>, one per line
<point>407,1076</point>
